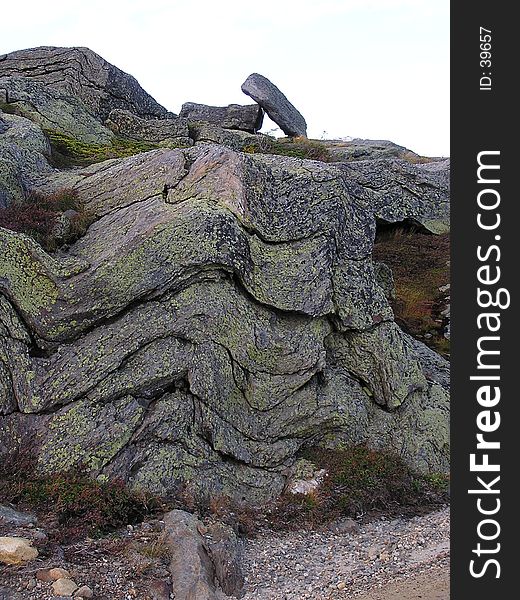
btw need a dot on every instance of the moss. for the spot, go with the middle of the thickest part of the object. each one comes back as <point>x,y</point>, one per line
<point>67,151</point>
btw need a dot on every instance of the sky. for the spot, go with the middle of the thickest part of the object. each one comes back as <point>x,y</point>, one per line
<point>376,69</point>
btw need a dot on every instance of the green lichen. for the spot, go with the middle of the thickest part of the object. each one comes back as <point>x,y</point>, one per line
<point>89,435</point>
<point>24,274</point>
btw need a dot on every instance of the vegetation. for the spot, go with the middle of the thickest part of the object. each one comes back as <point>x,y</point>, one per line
<point>80,505</point>
<point>420,265</point>
<point>69,152</point>
<point>38,217</point>
<point>296,147</point>
<point>8,108</point>
<point>362,481</point>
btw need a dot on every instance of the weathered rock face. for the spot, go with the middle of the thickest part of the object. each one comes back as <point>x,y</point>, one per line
<point>275,104</point>
<point>245,118</point>
<point>165,132</point>
<point>53,109</point>
<point>220,312</point>
<point>23,152</point>
<point>397,190</point>
<point>84,75</point>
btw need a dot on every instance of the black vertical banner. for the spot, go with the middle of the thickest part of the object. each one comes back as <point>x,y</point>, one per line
<point>485,426</point>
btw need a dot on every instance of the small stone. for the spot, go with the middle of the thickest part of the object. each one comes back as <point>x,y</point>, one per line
<point>31,584</point>
<point>16,518</point>
<point>43,575</point>
<point>341,585</point>
<point>84,592</point>
<point>64,587</point>
<point>346,525</point>
<point>58,573</point>
<point>160,590</point>
<point>16,550</point>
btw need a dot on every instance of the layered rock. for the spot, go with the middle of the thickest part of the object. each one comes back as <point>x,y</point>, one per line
<point>82,74</point>
<point>220,313</point>
<point>397,190</point>
<point>245,118</point>
<point>275,104</point>
<point>53,109</point>
<point>23,158</point>
<point>164,132</point>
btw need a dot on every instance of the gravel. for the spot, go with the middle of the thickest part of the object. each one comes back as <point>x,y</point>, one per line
<point>327,565</point>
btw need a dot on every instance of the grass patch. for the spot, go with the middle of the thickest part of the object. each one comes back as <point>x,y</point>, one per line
<point>69,152</point>
<point>38,216</point>
<point>420,265</point>
<point>361,481</point>
<point>295,147</point>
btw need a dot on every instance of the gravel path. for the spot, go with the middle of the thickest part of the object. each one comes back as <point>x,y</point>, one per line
<point>403,559</point>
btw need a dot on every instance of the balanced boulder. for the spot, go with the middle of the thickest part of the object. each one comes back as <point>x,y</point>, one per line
<point>275,104</point>
<point>246,118</point>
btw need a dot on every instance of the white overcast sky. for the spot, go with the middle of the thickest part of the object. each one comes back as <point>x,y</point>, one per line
<point>375,69</point>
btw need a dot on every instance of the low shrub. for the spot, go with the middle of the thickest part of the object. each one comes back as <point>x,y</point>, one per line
<point>81,505</point>
<point>38,215</point>
<point>362,481</point>
<point>420,265</point>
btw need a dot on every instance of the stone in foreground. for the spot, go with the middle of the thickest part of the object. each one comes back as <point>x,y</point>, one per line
<point>275,104</point>
<point>202,559</point>
<point>16,550</point>
<point>245,118</point>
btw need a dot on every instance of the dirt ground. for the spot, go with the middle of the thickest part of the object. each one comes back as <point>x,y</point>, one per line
<point>433,585</point>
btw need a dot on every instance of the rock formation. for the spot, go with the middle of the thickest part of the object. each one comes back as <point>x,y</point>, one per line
<point>275,104</point>
<point>221,313</point>
<point>246,118</point>
<point>82,74</point>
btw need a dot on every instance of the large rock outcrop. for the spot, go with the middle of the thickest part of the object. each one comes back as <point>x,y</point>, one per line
<point>220,313</point>
<point>82,74</point>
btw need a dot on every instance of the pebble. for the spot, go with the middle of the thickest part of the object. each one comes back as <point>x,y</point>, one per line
<point>58,573</point>
<point>64,587</point>
<point>84,592</point>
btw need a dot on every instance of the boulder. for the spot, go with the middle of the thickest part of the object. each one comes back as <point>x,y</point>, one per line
<point>81,74</point>
<point>53,109</point>
<point>23,158</point>
<point>16,550</point>
<point>245,118</point>
<point>208,133</point>
<point>16,518</point>
<point>275,104</point>
<point>172,132</point>
<point>64,587</point>
<point>191,568</point>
